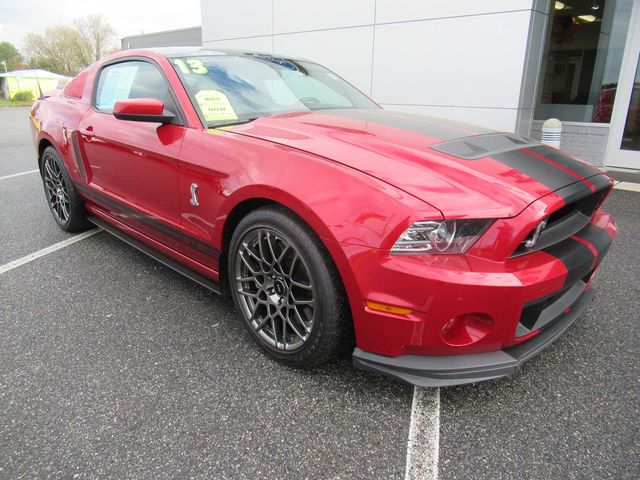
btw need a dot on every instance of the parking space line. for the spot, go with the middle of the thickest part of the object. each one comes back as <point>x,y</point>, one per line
<point>18,174</point>
<point>46,251</point>
<point>423,446</point>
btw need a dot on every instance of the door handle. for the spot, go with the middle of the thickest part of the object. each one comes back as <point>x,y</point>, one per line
<point>88,132</point>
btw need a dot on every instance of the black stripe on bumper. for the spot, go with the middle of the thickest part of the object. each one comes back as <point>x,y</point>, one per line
<point>597,237</point>
<point>577,257</point>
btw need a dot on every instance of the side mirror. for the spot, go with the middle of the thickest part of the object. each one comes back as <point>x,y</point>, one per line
<point>142,110</point>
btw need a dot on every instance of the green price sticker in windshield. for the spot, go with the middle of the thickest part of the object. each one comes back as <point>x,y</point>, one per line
<point>191,65</point>
<point>215,106</point>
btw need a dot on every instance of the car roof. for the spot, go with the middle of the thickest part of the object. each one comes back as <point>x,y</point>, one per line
<point>198,51</point>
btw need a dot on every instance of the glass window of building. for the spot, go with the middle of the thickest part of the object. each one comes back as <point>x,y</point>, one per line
<point>583,54</point>
<point>631,132</point>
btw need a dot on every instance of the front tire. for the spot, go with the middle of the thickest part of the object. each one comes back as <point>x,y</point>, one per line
<point>287,289</point>
<point>66,207</point>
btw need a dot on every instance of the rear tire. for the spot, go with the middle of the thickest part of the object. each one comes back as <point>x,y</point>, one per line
<point>287,289</point>
<point>66,207</point>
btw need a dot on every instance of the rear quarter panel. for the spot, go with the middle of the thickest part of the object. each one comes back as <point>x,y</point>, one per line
<point>54,119</point>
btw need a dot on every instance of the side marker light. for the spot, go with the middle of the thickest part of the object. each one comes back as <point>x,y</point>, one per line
<point>382,307</point>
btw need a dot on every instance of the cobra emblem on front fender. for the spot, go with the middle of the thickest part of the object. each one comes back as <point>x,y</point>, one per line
<point>194,195</point>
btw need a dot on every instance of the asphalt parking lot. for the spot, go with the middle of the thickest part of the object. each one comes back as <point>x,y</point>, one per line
<point>112,366</point>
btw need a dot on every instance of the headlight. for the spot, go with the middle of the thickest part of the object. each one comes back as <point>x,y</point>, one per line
<point>447,236</point>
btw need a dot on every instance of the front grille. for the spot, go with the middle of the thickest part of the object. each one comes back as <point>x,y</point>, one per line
<point>564,222</point>
<point>585,206</point>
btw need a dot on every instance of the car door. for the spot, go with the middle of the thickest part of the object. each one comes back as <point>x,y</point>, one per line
<point>133,164</point>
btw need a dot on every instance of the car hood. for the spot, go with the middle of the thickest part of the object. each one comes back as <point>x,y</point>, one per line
<point>463,170</point>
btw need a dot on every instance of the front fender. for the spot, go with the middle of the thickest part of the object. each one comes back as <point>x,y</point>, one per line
<point>340,204</point>
<point>343,206</point>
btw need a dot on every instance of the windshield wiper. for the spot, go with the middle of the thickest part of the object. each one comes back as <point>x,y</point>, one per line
<point>236,122</point>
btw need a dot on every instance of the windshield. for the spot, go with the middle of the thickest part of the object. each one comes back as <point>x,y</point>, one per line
<point>236,89</point>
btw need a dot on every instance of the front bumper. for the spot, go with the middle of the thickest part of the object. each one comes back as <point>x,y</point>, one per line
<point>445,294</point>
<point>447,370</point>
<point>472,318</point>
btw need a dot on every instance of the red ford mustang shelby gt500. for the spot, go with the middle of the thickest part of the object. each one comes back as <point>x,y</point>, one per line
<point>447,253</point>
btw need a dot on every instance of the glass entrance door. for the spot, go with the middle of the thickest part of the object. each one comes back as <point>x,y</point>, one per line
<point>623,146</point>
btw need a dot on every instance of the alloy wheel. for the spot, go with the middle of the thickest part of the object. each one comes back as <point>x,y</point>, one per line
<point>275,291</point>
<point>56,189</point>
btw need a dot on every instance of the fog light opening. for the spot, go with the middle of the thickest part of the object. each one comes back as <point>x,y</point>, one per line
<point>467,329</point>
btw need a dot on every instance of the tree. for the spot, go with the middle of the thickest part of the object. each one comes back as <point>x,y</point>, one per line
<point>97,35</point>
<point>59,50</point>
<point>10,55</point>
<point>69,49</point>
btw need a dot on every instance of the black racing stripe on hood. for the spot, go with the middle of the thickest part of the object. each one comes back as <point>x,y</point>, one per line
<point>543,172</point>
<point>429,127</point>
<point>576,257</point>
<point>509,149</point>
<point>580,168</point>
<point>576,190</point>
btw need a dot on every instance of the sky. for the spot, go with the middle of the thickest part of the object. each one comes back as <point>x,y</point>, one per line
<point>127,17</point>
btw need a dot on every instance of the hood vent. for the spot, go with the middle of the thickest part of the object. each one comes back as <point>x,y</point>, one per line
<point>480,146</point>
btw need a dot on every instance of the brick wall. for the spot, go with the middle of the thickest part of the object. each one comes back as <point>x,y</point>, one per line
<point>585,140</point>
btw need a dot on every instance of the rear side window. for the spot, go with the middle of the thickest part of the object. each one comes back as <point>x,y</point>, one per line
<point>132,79</point>
<point>75,89</point>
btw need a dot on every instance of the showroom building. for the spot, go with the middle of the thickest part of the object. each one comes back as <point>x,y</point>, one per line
<point>506,64</point>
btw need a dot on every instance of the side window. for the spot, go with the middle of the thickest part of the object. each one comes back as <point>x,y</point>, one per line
<point>132,79</point>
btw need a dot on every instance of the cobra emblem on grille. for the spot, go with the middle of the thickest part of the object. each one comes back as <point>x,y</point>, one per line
<point>530,243</point>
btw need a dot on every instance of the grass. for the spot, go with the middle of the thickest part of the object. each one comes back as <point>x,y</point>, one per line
<point>15,103</point>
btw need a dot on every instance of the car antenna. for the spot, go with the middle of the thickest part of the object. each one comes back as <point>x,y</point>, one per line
<point>35,70</point>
